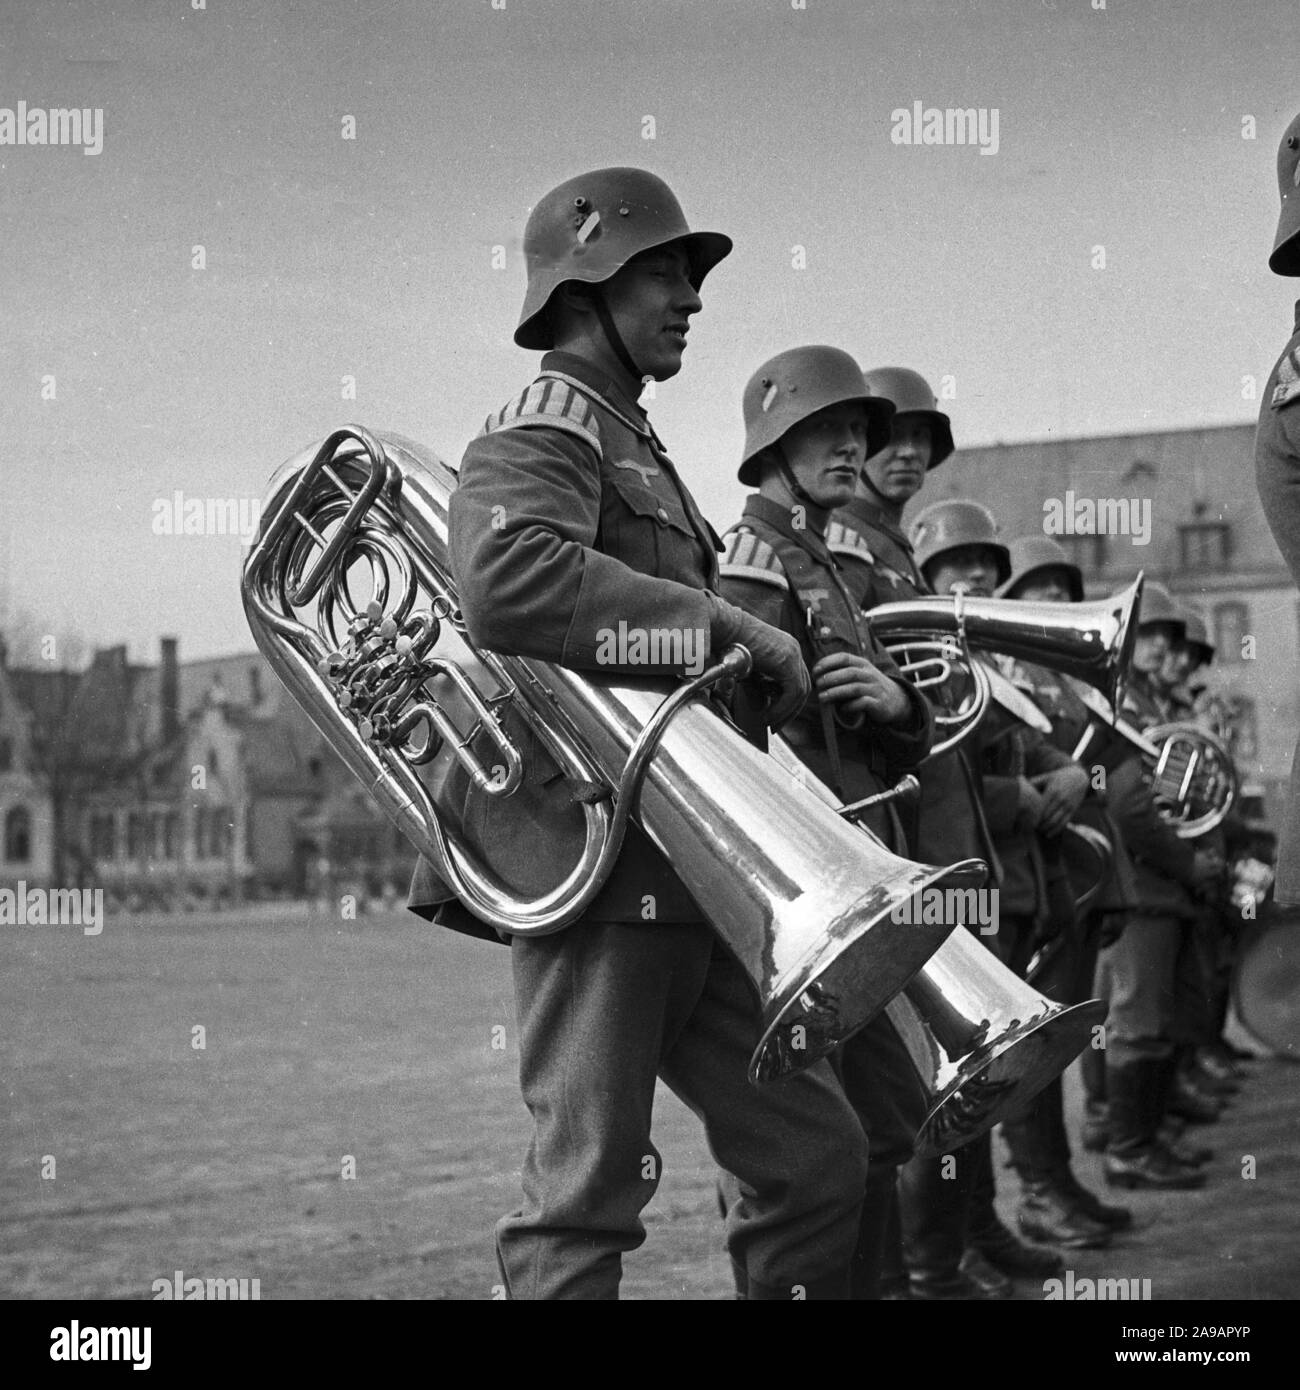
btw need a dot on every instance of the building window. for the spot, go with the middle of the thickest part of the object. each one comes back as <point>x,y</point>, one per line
<point>18,835</point>
<point>169,835</point>
<point>255,684</point>
<point>1230,620</point>
<point>1088,552</point>
<point>6,754</point>
<point>1204,545</point>
<point>103,835</point>
<point>137,835</point>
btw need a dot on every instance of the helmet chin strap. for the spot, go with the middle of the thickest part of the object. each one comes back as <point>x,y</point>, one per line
<point>613,337</point>
<point>787,473</point>
<point>866,480</point>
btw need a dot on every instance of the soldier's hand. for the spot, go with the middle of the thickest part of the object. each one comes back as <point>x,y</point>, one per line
<point>1063,792</point>
<point>776,656</point>
<point>852,682</point>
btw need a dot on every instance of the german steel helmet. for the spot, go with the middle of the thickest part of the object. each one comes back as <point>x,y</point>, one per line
<point>1198,635</point>
<point>588,228</point>
<point>1158,606</point>
<point>1029,554</point>
<point>1285,259</point>
<point>945,526</point>
<point>911,395</point>
<point>798,383</point>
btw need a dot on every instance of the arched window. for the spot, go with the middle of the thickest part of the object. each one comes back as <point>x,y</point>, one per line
<point>18,835</point>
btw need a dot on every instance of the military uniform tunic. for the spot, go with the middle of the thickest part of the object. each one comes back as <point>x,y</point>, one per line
<point>570,518</point>
<point>1151,972</point>
<point>878,566</point>
<point>1277,475</point>
<point>787,577</point>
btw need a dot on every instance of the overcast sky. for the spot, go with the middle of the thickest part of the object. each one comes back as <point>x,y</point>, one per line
<point>373,257</point>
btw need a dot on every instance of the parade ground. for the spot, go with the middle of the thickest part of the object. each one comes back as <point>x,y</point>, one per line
<point>351,1128</point>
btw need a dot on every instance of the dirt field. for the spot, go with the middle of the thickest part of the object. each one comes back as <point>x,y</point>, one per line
<point>375,1039</point>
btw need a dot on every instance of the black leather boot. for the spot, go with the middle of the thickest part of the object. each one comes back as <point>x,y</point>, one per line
<point>985,1232</point>
<point>1182,1150</point>
<point>1112,1217</point>
<point>933,1212</point>
<point>1192,1104</point>
<point>1051,1214</point>
<point>873,1226</point>
<point>1135,1158</point>
<point>1215,1060</point>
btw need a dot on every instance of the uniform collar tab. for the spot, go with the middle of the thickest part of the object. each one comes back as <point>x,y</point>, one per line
<point>611,394</point>
<point>778,517</point>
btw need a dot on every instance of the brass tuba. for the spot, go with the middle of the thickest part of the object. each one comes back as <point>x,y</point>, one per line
<point>933,637</point>
<point>982,1041</point>
<point>396,688</point>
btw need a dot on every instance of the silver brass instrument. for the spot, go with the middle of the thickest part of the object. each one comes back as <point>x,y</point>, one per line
<point>931,637</point>
<point>982,1041</point>
<point>395,687</point>
<point>1194,780</point>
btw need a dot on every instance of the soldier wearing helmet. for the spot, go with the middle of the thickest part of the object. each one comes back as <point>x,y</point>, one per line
<point>809,422</point>
<point>866,536</point>
<point>1041,572</point>
<point>1208,1066</point>
<point>1184,659</point>
<point>1277,464</point>
<point>569,520</point>
<point>1032,788</point>
<point>1055,1206</point>
<point>893,473</point>
<point>1150,973</point>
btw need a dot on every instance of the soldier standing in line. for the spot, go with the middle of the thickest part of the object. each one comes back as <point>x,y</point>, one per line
<point>1208,1064</point>
<point>1055,1205</point>
<point>1150,970</point>
<point>866,536</point>
<point>1030,791</point>
<point>1277,465</point>
<point>809,422</point>
<point>569,519</point>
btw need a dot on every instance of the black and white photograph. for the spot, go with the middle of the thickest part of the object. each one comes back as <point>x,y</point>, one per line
<point>650,650</point>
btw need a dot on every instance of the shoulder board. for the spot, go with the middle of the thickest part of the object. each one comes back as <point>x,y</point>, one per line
<point>748,557</point>
<point>844,540</point>
<point>554,404</point>
<point>1287,386</point>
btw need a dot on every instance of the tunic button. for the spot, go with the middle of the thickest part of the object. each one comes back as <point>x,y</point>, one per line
<point>662,514</point>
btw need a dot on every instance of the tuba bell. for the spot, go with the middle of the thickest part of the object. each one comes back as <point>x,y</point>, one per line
<point>394,685</point>
<point>933,637</point>
<point>982,1041</point>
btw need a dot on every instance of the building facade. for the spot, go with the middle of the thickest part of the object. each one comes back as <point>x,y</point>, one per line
<point>1180,506</point>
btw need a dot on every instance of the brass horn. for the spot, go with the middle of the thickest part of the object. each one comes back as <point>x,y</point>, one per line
<point>1091,641</point>
<point>1194,780</point>
<point>795,892</point>
<point>982,1041</point>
